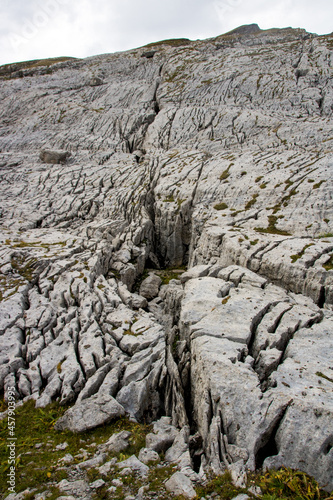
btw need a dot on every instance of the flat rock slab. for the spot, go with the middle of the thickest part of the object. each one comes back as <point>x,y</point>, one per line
<point>89,414</point>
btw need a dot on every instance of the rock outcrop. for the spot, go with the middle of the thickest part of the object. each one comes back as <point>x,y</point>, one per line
<point>213,155</point>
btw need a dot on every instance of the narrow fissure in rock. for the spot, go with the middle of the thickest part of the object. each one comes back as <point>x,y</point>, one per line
<point>269,445</point>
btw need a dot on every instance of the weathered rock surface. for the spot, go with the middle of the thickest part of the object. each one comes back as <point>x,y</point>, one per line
<point>215,155</point>
<point>89,414</point>
<point>117,442</point>
<point>257,383</point>
<point>48,156</point>
<point>178,484</point>
<point>147,455</point>
<point>150,286</point>
<point>134,464</point>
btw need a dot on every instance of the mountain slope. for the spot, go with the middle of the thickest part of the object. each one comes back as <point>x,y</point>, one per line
<point>215,154</point>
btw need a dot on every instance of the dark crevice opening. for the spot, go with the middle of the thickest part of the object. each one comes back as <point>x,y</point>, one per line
<point>269,447</point>
<point>322,297</point>
<point>196,451</point>
<point>328,445</point>
<point>328,449</point>
<point>156,107</point>
<point>268,450</point>
<point>196,460</point>
<point>155,101</point>
<point>254,326</point>
<point>129,146</point>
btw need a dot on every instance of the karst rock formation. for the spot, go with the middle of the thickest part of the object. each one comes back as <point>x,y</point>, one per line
<point>212,159</point>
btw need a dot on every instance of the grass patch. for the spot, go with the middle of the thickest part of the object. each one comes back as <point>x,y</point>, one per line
<point>25,244</point>
<point>285,200</point>
<point>129,332</point>
<point>156,478</point>
<point>8,69</point>
<point>37,467</point>
<point>171,274</point>
<point>225,174</point>
<point>300,254</point>
<point>222,485</point>
<point>251,202</point>
<point>221,206</point>
<point>172,42</point>
<point>169,199</point>
<point>287,483</point>
<point>272,229</point>
<point>115,273</point>
<point>329,264</point>
<point>24,267</point>
<point>325,235</point>
<point>320,374</point>
<point>236,212</point>
<point>317,185</point>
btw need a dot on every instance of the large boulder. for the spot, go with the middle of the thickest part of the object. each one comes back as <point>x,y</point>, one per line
<point>150,286</point>
<point>179,484</point>
<point>48,156</point>
<point>90,413</point>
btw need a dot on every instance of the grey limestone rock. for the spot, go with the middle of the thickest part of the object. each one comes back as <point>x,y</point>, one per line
<point>179,446</point>
<point>163,436</point>
<point>95,81</point>
<point>99,483</point>
<point>147,455</point>
<point>90,413</point>
<point>76,489</point>
<point>179,484</point>
<point>228,175</point>
<point>117,442</point>
<point>105,468</point>
<point>134,464</point>
<point>49,156</point>
<point>66,497</point>
<point>92,462</point>
<point>150,286</point>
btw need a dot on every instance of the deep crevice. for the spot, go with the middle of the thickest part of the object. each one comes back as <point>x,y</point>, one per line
<point>322,297</point>
<point>156,107</point>
<point>255,323</point>
<point>269,445</point>
<point>328,448</point>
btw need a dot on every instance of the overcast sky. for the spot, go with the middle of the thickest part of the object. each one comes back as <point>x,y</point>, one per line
<point>36,29</point>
